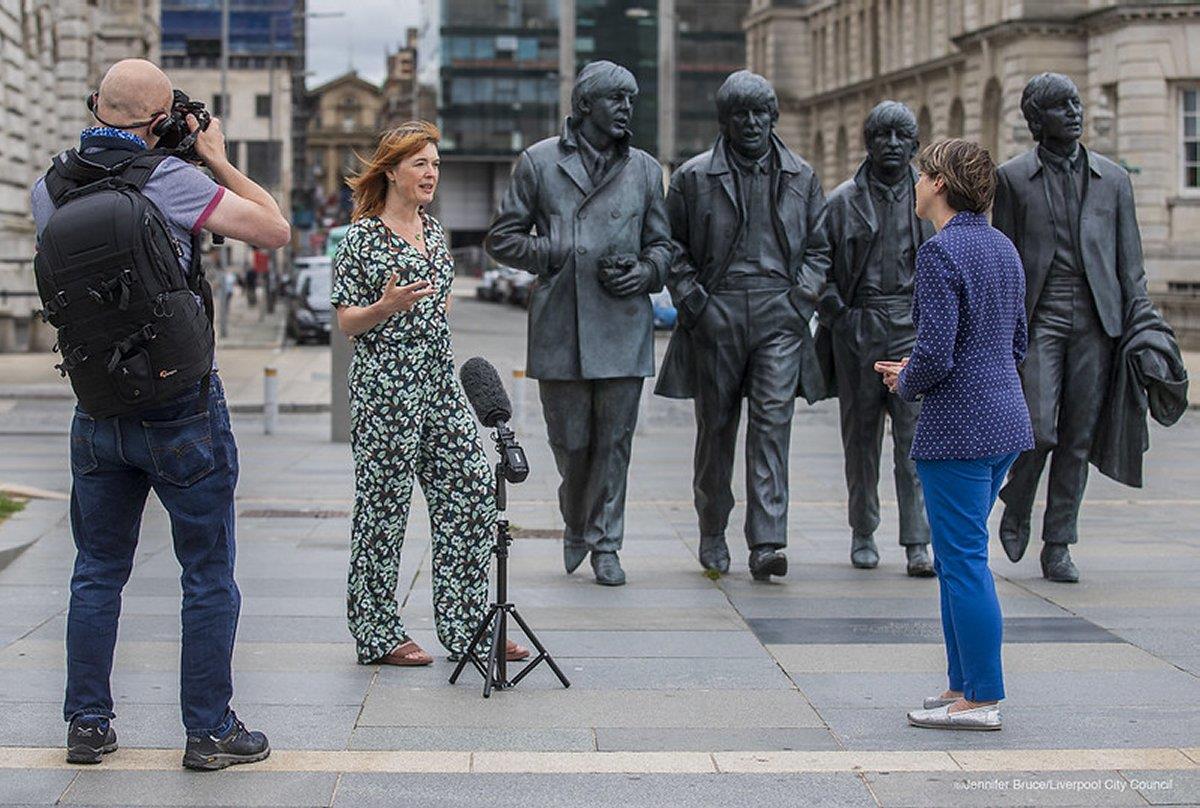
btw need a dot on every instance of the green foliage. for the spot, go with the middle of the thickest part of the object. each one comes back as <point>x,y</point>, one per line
<point>9,506</point>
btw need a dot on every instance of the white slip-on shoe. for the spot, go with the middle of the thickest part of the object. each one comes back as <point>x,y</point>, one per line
<point>985,718</point>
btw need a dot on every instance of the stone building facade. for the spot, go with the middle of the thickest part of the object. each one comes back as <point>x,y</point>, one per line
<point>961,65</point>
<point>52,54</point>
<point>346,116</point>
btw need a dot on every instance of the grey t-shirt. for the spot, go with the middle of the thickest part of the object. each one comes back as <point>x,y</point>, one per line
<point>184,194</point>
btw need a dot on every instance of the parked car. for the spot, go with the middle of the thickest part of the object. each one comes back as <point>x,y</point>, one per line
<point>489,287</point>
<point>664,310</point>
<point>520,287</point>
<point>310,313</point>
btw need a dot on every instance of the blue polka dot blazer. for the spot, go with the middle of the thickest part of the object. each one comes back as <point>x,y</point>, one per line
<point>969,308</point>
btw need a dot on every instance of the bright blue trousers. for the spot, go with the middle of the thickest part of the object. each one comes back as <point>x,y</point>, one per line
<point>959,495</point>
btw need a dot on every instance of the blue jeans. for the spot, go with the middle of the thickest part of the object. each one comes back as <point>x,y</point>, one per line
<point>188,456</point>
<point>959,495</point>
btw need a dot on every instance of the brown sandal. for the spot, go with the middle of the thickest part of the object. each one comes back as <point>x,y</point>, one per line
<point>406,655</point>
<point>514,652</point>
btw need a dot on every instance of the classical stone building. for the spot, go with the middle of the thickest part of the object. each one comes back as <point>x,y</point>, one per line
<point>344,119</point>
<point>346,115</point>
<point>52,54</point>
<point>961,66</point>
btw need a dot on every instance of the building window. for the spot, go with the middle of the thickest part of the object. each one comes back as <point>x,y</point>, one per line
<point>1191,139</point>
<point>218,105</point>
<point>262,106</point>
<point>262,161</point>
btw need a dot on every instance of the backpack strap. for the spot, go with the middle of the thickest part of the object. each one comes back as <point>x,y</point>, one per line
<point>137,171</point>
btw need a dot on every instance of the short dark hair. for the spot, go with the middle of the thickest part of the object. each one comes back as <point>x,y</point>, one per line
<point>888,115</point>
<point>1042,91</point>
<point>745,90</point>
<point>966,168</point>
<point>595,79</point>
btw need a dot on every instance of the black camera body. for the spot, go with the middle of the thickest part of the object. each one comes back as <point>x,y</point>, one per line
<point>173,132</point>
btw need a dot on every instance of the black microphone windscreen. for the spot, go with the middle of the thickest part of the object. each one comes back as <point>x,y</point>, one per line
<point>485,392</point>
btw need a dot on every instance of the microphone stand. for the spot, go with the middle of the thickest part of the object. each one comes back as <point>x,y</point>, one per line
<point>513,467</point>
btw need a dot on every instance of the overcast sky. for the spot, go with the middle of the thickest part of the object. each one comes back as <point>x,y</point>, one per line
<point>360,38</point>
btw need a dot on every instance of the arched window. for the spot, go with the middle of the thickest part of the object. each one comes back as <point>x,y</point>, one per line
<point>990,119</point>
<point>924,126</point>
<point>955,128</point>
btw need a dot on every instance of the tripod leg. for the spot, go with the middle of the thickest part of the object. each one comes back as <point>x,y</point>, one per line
<point>542,652</point>
<point>480,630</point>
<point>490,679</point>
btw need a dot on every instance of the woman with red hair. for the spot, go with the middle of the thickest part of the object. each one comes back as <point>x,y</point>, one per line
<point>408,414</point>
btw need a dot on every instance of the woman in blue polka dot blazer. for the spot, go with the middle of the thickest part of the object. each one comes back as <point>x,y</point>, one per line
<point>971,335</point>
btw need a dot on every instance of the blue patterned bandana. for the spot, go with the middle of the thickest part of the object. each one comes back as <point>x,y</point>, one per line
<point>108,131</point>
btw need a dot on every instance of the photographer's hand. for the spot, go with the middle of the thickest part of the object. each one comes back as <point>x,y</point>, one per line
<point>210,143</point>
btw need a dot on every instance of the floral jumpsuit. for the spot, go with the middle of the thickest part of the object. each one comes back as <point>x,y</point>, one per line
<point>409,417</point>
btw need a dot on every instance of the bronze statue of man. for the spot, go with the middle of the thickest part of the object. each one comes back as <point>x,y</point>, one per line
<point>1070,213</point>
<point>584,211</point>
<point>747,219</point>
<point>866,316</point>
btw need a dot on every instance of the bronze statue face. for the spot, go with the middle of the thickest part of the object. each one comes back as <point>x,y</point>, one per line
<point>749,130</point>
<point>1062,119</point>
<point>1052,109</point>
<point>610,111</point>
<point>890,133</point>
<point>891,150</point>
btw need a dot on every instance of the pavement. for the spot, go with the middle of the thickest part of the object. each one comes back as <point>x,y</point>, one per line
<point>684,691</point>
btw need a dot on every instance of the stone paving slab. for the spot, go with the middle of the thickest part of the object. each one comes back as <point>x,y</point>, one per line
<point>469,739</point>
<point>625,739</point>
<point>1159,788</point>
<point>856,630</point>
<point>630,673</point>
<point>603,791</point>
<point>948,790</point>
<point>33,786</point>
<point>531,709</point>
<point>1025,727</point>
<point>931,658</point>
<point>190,788</point>
<point>1078,689</point>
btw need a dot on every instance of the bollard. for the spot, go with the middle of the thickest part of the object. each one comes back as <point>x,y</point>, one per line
<point>518,400</point>
<point>270,400</point>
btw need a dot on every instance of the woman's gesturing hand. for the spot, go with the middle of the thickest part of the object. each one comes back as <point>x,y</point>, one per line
<point>398,298</point>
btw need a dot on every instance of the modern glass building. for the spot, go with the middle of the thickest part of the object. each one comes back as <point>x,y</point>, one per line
<point>191,32</point>
<point>501,89</point>
<point>500,67</point>
<point>499,75</point>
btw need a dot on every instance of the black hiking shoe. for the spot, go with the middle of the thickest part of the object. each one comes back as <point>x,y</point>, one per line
<point>240,745</point>
<point>89,738</point>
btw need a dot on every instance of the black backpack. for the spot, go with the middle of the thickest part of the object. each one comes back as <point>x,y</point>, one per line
<point>134,329</point>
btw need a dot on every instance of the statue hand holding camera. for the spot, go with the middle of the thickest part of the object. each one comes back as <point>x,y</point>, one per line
<point>624,275</point>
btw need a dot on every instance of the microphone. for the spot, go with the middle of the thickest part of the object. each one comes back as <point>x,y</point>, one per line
<point>485,392</point>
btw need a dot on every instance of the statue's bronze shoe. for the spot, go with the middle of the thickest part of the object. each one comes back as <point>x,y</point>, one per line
<point>919,563</point>
<point>607,568</point>
<point>1057,565</point>
<point>767,561</point>
<point>714,554</point>
<point>573,555</point>
<point>1014,534</point>
<point>863,553</point>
